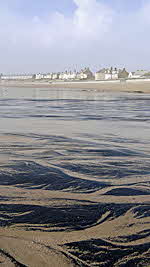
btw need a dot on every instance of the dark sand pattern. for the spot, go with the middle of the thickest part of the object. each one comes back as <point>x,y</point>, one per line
<point>98,252</point>
<point>35,176</point>
<point>127,191</point>
<point>74,178</point>
<point>62,217</point>
<point>7,260</point>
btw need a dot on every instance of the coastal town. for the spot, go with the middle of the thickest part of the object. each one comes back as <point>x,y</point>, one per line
<point>104,74</point>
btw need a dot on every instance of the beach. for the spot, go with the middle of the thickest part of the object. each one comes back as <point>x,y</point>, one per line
<point>74,175</point>
<point>139,86</point>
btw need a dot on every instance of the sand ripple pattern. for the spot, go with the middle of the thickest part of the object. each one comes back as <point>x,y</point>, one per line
<point>74,180</point>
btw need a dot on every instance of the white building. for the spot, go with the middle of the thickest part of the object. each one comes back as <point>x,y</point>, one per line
<point>17,77</point>
<point>68,75</point>
<point>107,74</point>
<point>61,75</point>
<point>47,76</point>
<point>39,76</point>
<point>65,76</point>
<point>72,75</point>
<point>114,74</point>
<point>55,76</point>
<point>85,74</point>
<point>137,74</point>
<point>131,75</point>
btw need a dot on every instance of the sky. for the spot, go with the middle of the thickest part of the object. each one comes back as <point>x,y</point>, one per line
<point>45,36</point>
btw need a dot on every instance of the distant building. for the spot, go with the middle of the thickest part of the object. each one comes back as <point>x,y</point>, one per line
<point>68,75</point>
<point>147,75</point>
<point>65,75</point>
<point>17,77</point>
<point>123,74</point>
<point>85,74</point>
<point>78,76</point>
<point>114,73</point>
<point>72,75</point>
<point>131,75</point>
<point>39,76</point>
<point>47,76</point>
<point>100,75</point>
<point>137,74</point>
<point>107,74</point>
<point>55,76</point>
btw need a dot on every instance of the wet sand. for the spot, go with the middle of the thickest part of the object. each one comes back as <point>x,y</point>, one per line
<point>74,184</point>
<point>131,86</point>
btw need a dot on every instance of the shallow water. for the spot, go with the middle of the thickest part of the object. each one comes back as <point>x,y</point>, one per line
<point>77,162</point>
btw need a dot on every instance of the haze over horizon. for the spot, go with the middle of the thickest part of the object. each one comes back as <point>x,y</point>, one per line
<point>43,36</point>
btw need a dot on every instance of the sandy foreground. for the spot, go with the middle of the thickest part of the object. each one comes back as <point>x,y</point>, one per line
<point>51,216</point>
<point>74,190</point>
<point>139,86</point>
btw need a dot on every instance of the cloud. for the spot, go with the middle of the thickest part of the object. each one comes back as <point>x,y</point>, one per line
<point>92,19</point>
<point>95,35</point>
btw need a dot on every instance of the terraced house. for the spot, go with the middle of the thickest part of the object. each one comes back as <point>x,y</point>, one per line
<point>107,74</point>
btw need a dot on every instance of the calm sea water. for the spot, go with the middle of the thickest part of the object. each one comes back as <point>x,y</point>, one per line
<point>82,114</point>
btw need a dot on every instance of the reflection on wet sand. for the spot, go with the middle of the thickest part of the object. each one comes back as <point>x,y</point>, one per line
<point>78,197</point>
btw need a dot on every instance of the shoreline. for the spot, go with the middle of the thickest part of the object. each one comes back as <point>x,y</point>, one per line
<point>130,86</point>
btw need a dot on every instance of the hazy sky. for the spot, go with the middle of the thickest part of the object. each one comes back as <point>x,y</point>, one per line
<point>48,35</point>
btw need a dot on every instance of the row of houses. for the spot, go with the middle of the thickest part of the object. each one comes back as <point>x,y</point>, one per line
<point>114,74</point>
<point>16,77</point>
<point>84,74</point>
